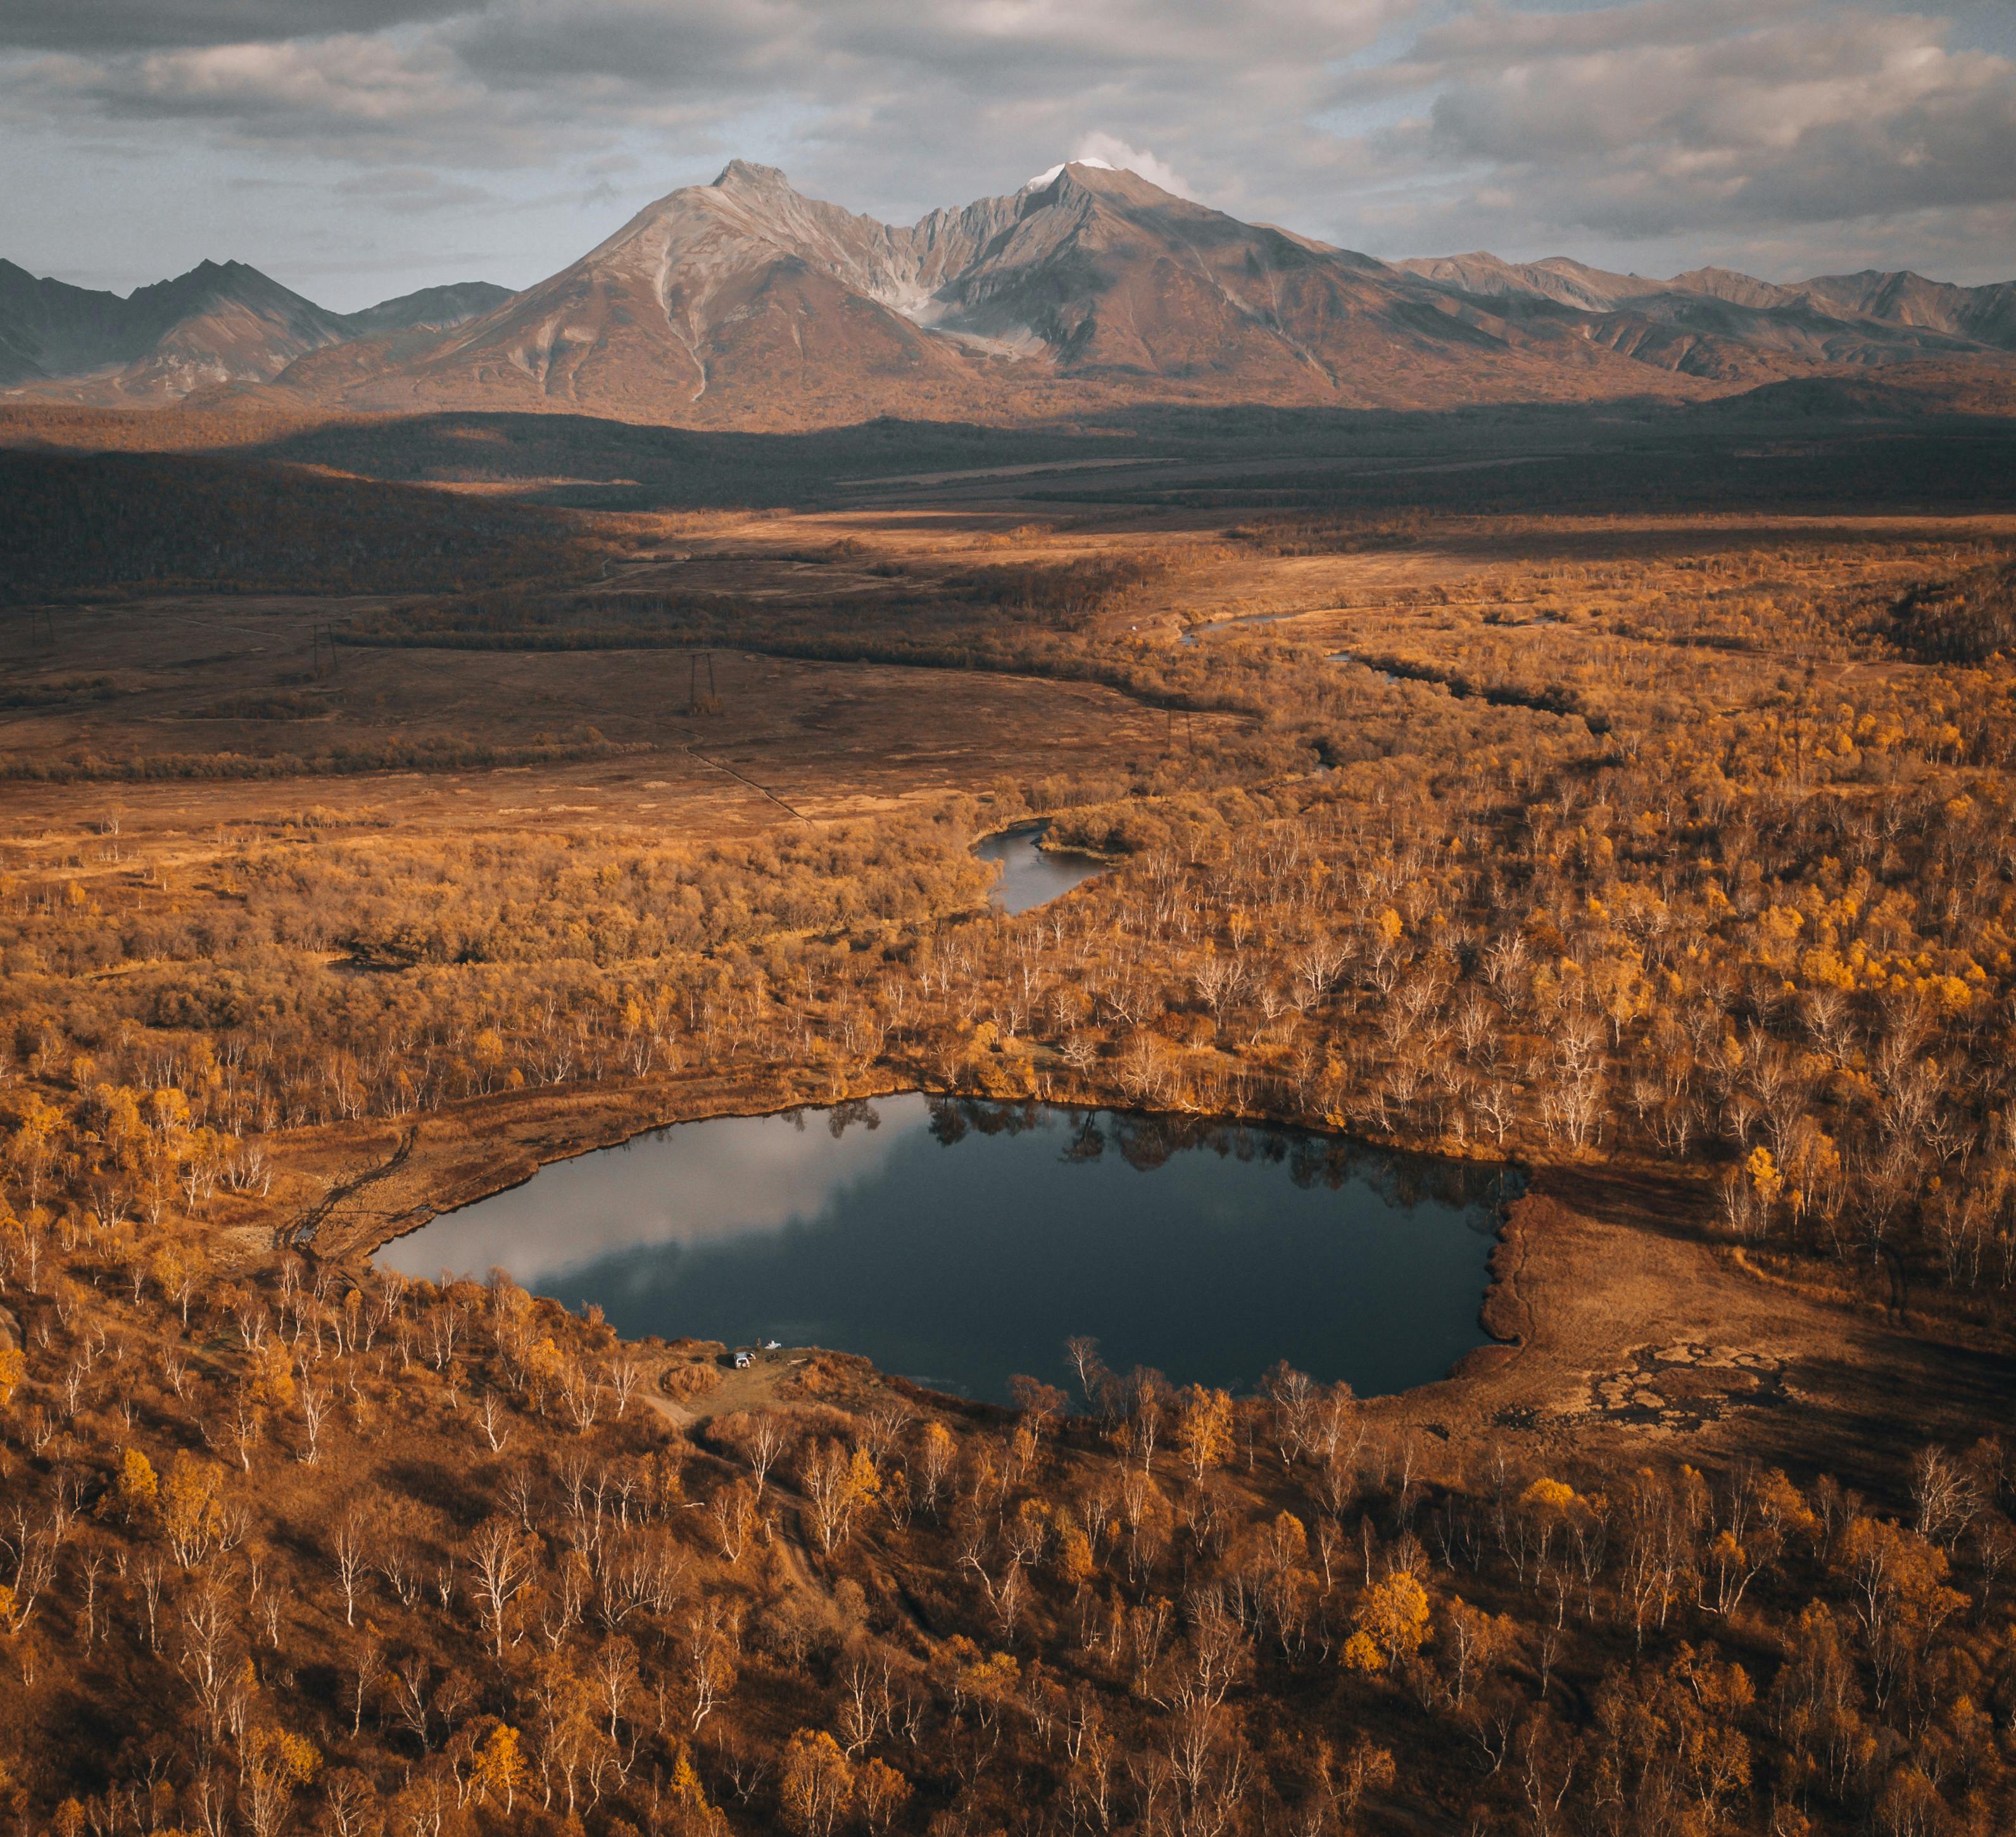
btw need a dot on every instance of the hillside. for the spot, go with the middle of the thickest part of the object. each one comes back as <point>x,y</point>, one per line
<point>220,323</point>
<point>128,519</point>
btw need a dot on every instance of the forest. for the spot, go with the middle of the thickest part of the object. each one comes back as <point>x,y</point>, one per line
<point>1664,850</point>
<point>80,524</point>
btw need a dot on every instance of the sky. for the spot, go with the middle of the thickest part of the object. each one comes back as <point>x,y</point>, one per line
<point>355,149</point>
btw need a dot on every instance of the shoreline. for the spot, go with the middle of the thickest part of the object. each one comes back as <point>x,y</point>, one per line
<point>1498,1305</point>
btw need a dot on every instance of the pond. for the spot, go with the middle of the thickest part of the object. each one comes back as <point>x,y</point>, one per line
<point>1031,874</point>
<point>958,1243</point>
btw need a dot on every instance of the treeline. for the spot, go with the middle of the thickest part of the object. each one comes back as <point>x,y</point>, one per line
<point>425,753</point>
<point>1289,534</point>
<point>1969,619</point>
<point>186,427</point>
<point>1284,690</point>
<point>1966,464</point>
<point>83,524</point>
<point>75,691</point>
<point>1070,594</point>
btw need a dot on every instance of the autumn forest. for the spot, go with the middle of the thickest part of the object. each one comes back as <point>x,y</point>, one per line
<point>1633,806</point>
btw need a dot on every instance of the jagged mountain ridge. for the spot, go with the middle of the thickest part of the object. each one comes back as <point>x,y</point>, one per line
<point>220,322</point>
<point>1715,319</point>
<point>744,302</point>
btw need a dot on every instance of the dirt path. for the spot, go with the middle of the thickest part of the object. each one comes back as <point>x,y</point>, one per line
<point>302,1232</point>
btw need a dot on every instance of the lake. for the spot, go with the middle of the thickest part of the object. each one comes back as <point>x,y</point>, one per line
<point>958,1243</point>
<point>1032,875</point>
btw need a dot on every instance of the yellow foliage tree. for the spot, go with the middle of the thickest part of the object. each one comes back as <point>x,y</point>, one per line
<point>499,1770</point>
<point>269,1379</point>
<point>1391,1619</point>
<point>882,1792</point>
<point>275,1763</point>
<point>33,1142</point>
<point>1549,1495</point>
<point>137,1488</point>
<point>1764,1175</point>
<point>1074,1561</point>
<point>193,1508</point>
<point>817,1786</point>
<point>1204,1428</point>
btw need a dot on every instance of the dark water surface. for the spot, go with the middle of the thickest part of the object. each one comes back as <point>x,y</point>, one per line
<point>958,1243</point>
<point>1033,876</point>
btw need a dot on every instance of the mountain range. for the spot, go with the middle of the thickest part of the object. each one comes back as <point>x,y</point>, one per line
<point>744,302</point>
<point>222,322</point>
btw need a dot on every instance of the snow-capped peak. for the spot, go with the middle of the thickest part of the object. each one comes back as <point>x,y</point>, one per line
<point>1043,178</point>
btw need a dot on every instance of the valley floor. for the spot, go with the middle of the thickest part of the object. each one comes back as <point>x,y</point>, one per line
<point>1661,848</point>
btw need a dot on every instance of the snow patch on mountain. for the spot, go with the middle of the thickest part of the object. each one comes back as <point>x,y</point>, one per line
<point>1048,176</point>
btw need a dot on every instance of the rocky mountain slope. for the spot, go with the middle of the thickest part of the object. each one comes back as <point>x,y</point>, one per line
<point>1716,323</point>
<point>745,304</point>
<point>221,322</point>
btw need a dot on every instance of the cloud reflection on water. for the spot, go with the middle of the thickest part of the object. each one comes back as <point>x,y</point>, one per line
<point>695,1183</point>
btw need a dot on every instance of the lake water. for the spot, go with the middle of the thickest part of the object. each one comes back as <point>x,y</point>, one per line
<point>958,1243</point>
<point>1031,876</point>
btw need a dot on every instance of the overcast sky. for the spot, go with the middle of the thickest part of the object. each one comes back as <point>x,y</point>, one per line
<point>356,148</point>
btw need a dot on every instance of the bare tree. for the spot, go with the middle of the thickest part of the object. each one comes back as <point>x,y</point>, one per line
<point>314,1400</point>
<point>1944,1495</point>
<point>1083,1352</point>
<point>348,1546</point>
<point>490,1418</point>
<point>759,1437</point>
<point>501,1555</point>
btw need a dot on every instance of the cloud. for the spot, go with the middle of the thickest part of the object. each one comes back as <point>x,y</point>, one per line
<point>692,1185</point>
<point>408,188</point>
<point>117,26</point>
<point>1631,133</point>
<point>1115,152</point>
<point>1658,120</point>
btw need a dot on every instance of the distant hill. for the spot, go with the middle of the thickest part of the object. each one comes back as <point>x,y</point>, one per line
<point>89,522</point>
<point>432,309</point>
<point>1715,322</point>
<point>222,322</point>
